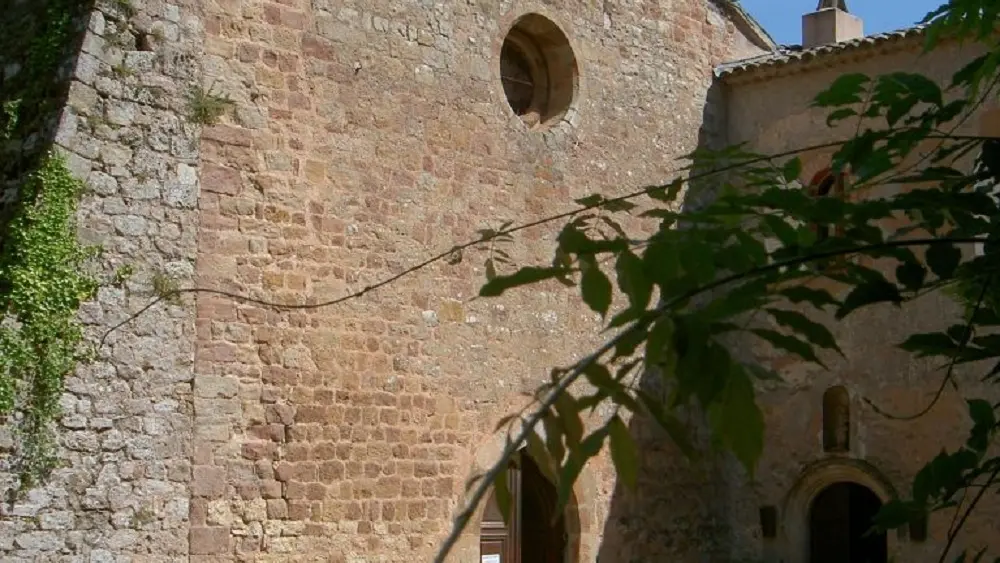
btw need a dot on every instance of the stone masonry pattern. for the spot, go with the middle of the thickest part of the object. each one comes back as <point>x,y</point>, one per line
<point>360,137</point>
<point>122,493</point>
<point>366,135</point>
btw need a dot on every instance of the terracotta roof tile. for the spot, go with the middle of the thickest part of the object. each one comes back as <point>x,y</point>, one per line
<point>793,53</point>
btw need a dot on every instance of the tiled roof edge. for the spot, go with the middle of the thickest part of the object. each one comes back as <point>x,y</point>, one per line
<point>787,55</point>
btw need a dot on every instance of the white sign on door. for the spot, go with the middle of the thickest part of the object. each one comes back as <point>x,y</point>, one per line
<point>495,558</point>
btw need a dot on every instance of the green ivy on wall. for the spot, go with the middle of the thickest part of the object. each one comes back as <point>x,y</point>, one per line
<point>43,281</point>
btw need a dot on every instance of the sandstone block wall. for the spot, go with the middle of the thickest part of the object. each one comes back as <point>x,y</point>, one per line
<point>122,493</point>
<point>362,137</point>
<point>366,136</point>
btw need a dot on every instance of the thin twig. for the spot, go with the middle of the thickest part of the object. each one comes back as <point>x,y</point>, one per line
<point>459,247</point>
<point>952,534</point>
<point>966,337</point>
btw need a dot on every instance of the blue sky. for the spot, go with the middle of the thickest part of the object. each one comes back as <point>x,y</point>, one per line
<point>783,18</point>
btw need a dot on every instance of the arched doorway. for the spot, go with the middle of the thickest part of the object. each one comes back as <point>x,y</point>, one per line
<point>534,532</point>
<point>840,518</point>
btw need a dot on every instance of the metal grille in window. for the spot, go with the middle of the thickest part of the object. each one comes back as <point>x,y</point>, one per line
<point>518,82</point>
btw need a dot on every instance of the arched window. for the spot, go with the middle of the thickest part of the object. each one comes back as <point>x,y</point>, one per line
<point>836,420</point>
<point>826,184</point>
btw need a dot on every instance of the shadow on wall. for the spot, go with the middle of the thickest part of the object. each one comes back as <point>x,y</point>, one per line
<point>40,44</point>
<point>679,509</point>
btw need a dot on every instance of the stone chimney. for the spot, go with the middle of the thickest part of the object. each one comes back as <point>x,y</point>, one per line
<point>830,23</point>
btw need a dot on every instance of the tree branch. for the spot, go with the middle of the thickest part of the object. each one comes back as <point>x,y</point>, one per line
<point>462,519</point>
<point>966,337</point>
<point>459,247</point>
<point>952,534</point>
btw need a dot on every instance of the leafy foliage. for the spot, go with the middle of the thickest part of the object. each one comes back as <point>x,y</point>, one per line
<point>750,264</point>
<point>40,337</point>
<point>42,280</point>
<point>206,108</point>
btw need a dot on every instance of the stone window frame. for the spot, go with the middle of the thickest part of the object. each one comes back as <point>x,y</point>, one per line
<point>794,527</point>
<point>836,398</point>
<point>549,49</point>
<point>837,188</point>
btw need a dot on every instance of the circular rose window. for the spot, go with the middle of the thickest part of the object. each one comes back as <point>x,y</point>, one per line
<point>538,70</point>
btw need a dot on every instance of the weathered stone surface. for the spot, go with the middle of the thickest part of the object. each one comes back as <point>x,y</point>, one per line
<point>362,137</point>
<point>341,164</point>
<point>128,416</point>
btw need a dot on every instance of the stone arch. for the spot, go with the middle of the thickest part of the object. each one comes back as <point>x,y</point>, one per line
<point>815,479</point>
<point>836,420</point>
<point>580,516</point>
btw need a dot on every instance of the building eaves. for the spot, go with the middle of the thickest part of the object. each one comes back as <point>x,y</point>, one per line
<point>788,55</point>
<point>760,35</point>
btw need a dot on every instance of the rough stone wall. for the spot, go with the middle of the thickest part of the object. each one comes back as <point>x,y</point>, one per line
<point>122,493</point>
<point>23,20</point>
<point>366,136</point>
<point>873,368</point>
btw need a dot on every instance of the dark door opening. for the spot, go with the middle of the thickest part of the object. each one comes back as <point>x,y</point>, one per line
<point>839,520</point>
<point>534,533</point>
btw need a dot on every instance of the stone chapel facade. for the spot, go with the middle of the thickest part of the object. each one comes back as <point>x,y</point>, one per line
<point>362,137</point>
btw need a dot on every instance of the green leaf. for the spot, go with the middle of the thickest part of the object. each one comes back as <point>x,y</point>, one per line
<point>919,86</point>
<point>669,422</point>
<point>839,115</point>
<point>623,452</point>
<point>698,260</point>
<point>501,492</point>
<point>818,298</point>
<point>660,337</point>
<point>524,276</point>
<point>661,263</point>
<point>569,416</point>
<point>588,448</point>
<point>982,413</point>
<point>930,344</point>
<point>789,343</point>
<point>845,90</point>
<point>632,280</point>
<point>739,421</point>
<point>540,455</point>
<point>787,234</point>
<point>619,205</point>
<point>814,332</point>
<point>911,275</point>
<point>668,193</point>
<point>599,376</point>
<point>792,169</point>
<point>590,201</point>
<point>943,259</point>
<point>868,293</point>
<point>596,288</point>
<point>554,436</point>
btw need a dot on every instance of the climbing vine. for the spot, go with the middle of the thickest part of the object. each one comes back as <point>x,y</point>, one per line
<point>42,276</point>
<point>42,265</point>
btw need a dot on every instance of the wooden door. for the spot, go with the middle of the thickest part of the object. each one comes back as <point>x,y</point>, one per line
<point>533,534</point>
<point>499,541</point>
